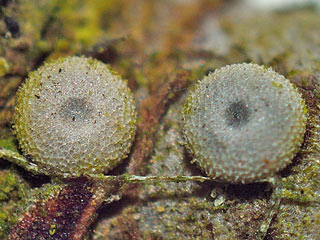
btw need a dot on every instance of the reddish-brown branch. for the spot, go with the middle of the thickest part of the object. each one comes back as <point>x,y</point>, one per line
<point>65,215</point>
<point>152,110</point>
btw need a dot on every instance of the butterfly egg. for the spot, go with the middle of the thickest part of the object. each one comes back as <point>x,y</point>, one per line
<point>243,123</point>
<point>75,116</point>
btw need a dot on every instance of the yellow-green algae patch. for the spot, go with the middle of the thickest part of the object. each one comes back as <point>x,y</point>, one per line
<point>57,28</point>
<point>8,141</point>
<point>13,199</point>
<point>5,67</point>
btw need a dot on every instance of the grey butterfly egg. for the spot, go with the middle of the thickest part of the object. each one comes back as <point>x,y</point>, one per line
<point>75,116</point>
<point>244,123</point>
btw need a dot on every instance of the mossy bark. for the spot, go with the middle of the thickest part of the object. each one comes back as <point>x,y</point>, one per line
<point>163,48</point>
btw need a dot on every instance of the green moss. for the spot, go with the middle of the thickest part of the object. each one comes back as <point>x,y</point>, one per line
<point>85,23</point>
<point>13,198</point>
<point>7,185</point>
<point>7,140</point>
<point>5,67</point>
<point>276,84</point>
<point>9,144</point>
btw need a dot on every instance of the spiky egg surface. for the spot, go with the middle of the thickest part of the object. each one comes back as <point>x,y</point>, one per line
<point>75,116</point>
<point>243,123</point>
